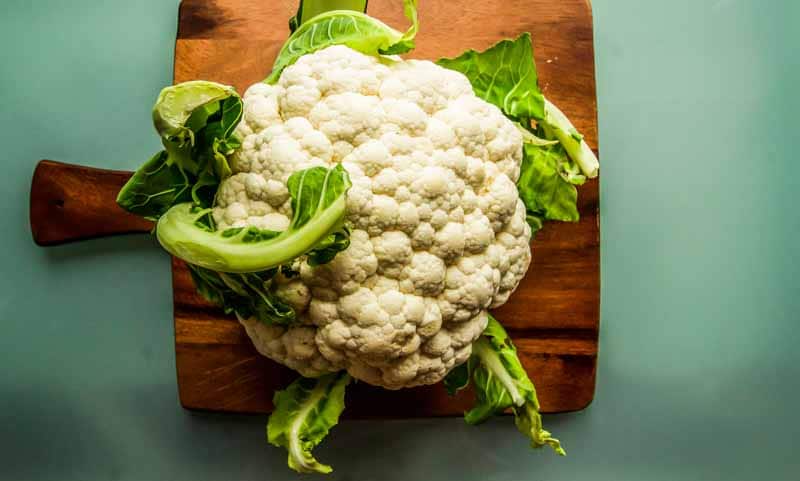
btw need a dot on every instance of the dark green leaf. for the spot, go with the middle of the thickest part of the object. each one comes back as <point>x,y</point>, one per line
<point>326,250</point>
<point>288,271</point>
<point>204,189</point>
<point>534,221</point>
<point>247,295</point>
<point>254,235</point>
<point>457,379</point>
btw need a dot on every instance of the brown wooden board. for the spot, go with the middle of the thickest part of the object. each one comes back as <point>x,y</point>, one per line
<point>553,317</point>
<point>71,202</point>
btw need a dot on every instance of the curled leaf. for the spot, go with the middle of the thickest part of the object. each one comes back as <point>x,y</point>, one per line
<point>304,414</point>
<point>501,383</point>
<point>357,30</point>
<point>195,121</point>
<point>318,197</point>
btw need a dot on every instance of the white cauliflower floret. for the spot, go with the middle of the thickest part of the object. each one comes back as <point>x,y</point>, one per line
<point>438,231</point>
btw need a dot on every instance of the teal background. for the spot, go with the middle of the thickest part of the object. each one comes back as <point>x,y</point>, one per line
<point>698,374</point>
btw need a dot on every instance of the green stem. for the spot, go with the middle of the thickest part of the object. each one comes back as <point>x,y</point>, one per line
<point>178,234</point>
<point>309,9</point>
<point>557,125</point>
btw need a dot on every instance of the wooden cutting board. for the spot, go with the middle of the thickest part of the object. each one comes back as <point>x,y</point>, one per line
<point>554,315</point>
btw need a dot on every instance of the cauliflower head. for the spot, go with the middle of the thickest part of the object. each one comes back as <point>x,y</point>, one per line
<point>438,230</point>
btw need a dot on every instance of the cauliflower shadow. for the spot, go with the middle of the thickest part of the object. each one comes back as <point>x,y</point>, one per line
<point>128,246</point>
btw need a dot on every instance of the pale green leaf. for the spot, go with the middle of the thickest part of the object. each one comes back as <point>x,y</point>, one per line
<point>501,383</point>
<point>357,30</point>
<point>195,121</point>
<point>318,198</point>
<point>304,414</point>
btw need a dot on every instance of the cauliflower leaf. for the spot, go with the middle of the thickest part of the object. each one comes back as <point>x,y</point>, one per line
<point>355,29</point>
<point>195,121</point>
<point>318,199</point>
<point>546,185</point>
<point>556,125</point>
<point>246,295</point>
<point>304,414</point>
<point>503,75</point>
<point>500,383</point>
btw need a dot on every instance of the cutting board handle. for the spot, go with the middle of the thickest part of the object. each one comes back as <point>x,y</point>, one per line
<point>72,202</point>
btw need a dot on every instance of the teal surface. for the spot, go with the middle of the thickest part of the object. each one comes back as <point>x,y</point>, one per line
<point>699,368</point>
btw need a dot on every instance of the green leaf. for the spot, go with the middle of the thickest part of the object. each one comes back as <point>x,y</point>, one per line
<point>346,27</point>
<point>457,379</point>
<point>500,383</point>
<point>155,187</point>
<point>178,103</point>
<point>503,75</point>
<point>500,380</point>
<point>318,198</point>
<point>304,414</point>
<point>246,295</point>
<point>326,250</point>
<point>529,137</point>
<point>544,186</point>
<point>309,9</point>
<point>406,42</point>
<point>534,221</point>
<point>195,121</point>
<point>545,197</point>
<point>529,423</point>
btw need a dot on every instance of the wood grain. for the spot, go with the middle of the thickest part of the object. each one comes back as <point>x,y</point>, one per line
<point>71,202</point>
<point>554,315</point>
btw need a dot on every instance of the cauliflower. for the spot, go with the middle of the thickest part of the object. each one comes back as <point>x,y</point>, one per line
<point>359,213</point>
<point>438,230</point>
